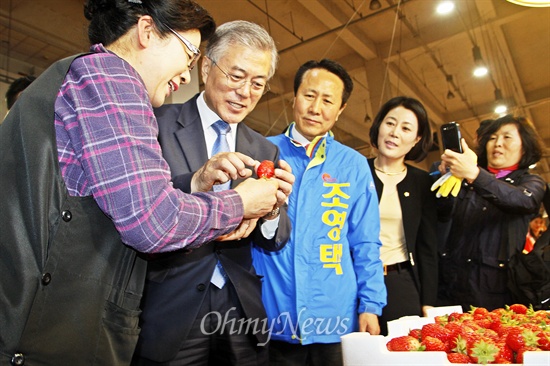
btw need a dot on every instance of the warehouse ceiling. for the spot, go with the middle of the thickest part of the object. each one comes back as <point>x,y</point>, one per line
<point>401,48</point>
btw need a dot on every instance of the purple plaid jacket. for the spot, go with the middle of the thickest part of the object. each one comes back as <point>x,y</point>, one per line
<point>107,147</point>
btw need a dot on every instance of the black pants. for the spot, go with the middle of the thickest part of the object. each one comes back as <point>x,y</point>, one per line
<point>317,354</point>
<point>403,297</point>
<point>215,338</point>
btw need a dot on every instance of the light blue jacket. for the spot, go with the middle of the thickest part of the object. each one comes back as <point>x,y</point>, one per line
<point>330,270</point>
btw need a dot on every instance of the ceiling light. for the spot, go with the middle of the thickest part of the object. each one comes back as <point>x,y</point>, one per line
<point>500,109</point>
<point>500,106</point>
<point>532,3</point>
<point>481,69</point>
<point>375,5</point>
<point>445,7</point>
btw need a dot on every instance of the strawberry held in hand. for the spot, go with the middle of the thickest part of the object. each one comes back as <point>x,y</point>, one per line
<point>266,169</point>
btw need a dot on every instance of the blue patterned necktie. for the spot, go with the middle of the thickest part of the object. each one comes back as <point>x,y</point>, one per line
<point>219,277</point>
<point>221,145</point>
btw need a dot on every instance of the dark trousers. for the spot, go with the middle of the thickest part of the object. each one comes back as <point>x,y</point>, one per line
<point>317,354</point>
<point>403,297</point>
<point>215,338</point>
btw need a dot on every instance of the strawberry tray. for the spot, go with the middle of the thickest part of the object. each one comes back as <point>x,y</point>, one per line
<point>363,349</point>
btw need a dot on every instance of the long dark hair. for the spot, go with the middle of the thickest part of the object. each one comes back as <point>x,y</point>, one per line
<point>421,149</point>
<point>531,142</point>
<point>111,19</point>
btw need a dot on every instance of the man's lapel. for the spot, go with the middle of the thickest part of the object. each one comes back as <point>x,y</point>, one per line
<point>191,136</point>
<point>243,144</point>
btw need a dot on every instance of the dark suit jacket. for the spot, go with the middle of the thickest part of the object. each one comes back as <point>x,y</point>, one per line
<point>418,206</point>
<point>177,282</point>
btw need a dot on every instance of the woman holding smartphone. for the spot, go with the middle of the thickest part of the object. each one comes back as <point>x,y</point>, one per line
<point>491,214</point>
<point>408,217</point>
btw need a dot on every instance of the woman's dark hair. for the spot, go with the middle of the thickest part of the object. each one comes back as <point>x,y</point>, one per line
<point>531,142</point>
<point>331,66</point>
<point>482,126</point>
<point>422,147</point>
<point>111,19</point>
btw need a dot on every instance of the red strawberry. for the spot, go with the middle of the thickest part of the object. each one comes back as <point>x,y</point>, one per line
<point>504,353</point>
<point>416,333</point>
<point>454,329</point>
<point>484,352</point>
<point>544,340</point>
<point>433,344</point>
<point>442,319</point>
<point>505,327</point>
<point>500,311</point>
<point>479,312</point>
<point>496,321</point>
<point>458,358</point>
<point>437,331</point>
<point>466,316</point>
<point>471,325</point>
<point>404,343</point>
<point>453,317</point>
<point>484,322</point>
<point>531,326</point>
<point>519,337</point>
<point>518,308</point>
<point>471,340</point>
<point>459,345</point>
<point>488,333</point>
<point>266,169</point>
<point>540,316</point>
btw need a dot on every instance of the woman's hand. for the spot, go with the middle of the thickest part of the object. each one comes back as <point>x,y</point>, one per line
<point>461,165</point>
<point>244,229</point>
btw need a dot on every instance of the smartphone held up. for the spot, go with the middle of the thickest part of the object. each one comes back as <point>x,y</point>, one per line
<point>450,136</point>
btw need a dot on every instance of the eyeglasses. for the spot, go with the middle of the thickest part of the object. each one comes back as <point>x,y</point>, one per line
<point>196,53</point>
<point>237,82</point>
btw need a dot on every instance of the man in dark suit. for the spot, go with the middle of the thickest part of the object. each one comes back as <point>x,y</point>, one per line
<point>188,317</point>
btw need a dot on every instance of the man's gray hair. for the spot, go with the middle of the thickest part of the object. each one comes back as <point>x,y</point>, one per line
<point>242,32</point>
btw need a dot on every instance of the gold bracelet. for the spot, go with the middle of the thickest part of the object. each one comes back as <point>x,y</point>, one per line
<point>274,212</point>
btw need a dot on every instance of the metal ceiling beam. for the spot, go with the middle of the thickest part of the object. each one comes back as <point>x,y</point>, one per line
<point>435,34</point>
<point>336,29</point>
<point>332,17</point>
<point>488,13</point>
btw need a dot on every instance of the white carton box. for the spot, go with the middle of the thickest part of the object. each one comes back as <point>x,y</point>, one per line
<point>362,349</point>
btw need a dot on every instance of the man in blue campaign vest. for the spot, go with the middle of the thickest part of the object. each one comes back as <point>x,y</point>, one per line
<point>328,280</point>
